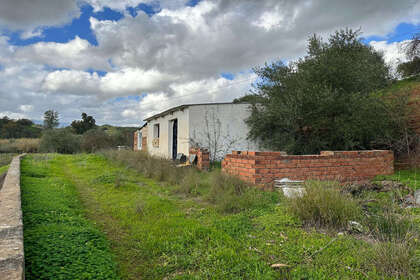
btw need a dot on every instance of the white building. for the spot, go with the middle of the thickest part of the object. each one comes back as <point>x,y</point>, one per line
<point>219,127</point>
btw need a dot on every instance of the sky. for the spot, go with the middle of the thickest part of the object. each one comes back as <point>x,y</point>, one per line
<point>121,61</point>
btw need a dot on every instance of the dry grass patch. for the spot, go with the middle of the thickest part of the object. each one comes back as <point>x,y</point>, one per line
<point>21,145</point>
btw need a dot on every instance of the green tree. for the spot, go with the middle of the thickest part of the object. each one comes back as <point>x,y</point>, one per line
<point>51,119</point>
<point>325,100</point>
<point>87,123</point>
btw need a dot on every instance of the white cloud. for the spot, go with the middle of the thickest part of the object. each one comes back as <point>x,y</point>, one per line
<point>26,108</point>
<point>393,52</point>
<point>121,5</point>
<point>76,54</point>
<point>173,57</point>
<point>29,14</point>
<point>127,81</point>
<point>32,33</point>
<point>12,115</point>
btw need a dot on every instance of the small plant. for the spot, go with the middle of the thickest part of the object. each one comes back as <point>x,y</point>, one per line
<point>140,208</point>
<point>396,260</point>
<point>190,183</point>
<point>119,179</point>
<point>391,226</point>
<point>232,195</point>
<point>324,205</point>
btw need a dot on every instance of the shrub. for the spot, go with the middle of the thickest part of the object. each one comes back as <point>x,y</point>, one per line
<point>324,205</point>
<point>21,145</point>
<point>60,141</point>
<point>96,139</point>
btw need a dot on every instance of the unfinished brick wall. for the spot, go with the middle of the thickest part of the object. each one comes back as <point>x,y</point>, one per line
<point>264,167</point>
<point>203,158</point>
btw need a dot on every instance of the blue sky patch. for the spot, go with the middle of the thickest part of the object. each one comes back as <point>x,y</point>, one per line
<point>404,31</point>
<point>62,34</point>
<point>127,98</point>
<point>149,9</point>
<point>193,3</point>
<point>228,76</point>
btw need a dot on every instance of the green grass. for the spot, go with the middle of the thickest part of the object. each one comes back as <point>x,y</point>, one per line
<point>59,242</point>
<point>409,177</point>
<point>3,169</point>
<point>157,232</point>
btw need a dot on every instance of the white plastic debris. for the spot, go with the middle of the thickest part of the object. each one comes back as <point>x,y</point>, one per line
<point>290,188</point>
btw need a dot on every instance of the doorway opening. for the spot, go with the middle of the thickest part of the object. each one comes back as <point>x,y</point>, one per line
<point>174,138</point>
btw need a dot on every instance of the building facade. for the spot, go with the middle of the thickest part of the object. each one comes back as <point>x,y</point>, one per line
<point>218,127</point>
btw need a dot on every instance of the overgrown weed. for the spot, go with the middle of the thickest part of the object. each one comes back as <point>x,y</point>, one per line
<point>324,206</point>
<point>396,260</point>
<point>228,193</point>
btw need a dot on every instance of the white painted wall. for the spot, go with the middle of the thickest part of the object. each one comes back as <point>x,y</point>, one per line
<point>225,124</point>
<point>165,137</point>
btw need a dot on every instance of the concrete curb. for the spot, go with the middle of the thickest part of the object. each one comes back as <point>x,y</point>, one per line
<point>12,262</point>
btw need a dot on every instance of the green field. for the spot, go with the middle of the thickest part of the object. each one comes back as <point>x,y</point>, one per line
<point>156,232</point>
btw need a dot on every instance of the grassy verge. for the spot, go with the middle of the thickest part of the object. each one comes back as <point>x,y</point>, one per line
<point>409,177</point>
<point>3,169</point>
<point>59,242</point>
<point>159,232</point>
<point>207,225</point>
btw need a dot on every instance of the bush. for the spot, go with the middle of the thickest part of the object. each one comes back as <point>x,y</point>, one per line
<point>324,205</point>
<point>60,141</point>
<point>21,145</point>
<point>96,139</point>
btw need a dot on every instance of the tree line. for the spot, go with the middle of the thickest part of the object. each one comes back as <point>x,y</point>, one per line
<point>81,136</point>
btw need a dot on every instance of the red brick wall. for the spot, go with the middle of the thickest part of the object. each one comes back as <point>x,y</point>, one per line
<point>203,158</point>
<point>264,167</point>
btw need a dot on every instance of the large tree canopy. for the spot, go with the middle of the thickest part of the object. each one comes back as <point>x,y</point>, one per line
<point>327,100</point>
<point>51,119</point>
<point>87,122</point>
